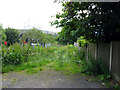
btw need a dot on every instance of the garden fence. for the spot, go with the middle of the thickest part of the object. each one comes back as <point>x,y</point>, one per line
<point>109,53</point>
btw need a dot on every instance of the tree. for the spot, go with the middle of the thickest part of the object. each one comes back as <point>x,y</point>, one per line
<point>11,36</point>
<point>2,35</point>
<point>50,38</point>
<point>33,35</point>
<point>66,36</point>
<point>37,36</point>
<point>96,21</point>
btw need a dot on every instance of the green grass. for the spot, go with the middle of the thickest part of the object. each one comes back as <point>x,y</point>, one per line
<point>0,48</point>
<point>62,58</point>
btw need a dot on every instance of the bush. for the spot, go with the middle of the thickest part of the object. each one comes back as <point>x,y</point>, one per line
<point>82,41</point>
<point>82,55</point>
<point>15,54</point>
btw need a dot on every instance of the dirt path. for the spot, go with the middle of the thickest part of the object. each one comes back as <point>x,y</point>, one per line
<point>46,79</point>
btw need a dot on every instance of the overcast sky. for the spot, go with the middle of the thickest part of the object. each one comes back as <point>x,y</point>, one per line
<point>24,14</point>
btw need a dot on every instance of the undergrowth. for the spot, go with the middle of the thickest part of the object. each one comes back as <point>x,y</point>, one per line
<point>67,58</point>
<point>98,70</point>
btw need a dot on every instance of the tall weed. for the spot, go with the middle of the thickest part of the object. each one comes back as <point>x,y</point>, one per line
<point>67,59</point>
<point>94,67</point>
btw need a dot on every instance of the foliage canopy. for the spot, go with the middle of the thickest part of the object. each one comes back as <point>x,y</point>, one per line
<point>12,35</point>
<point>96,21</point>
<point>2,35</point>
<point>37,36</point>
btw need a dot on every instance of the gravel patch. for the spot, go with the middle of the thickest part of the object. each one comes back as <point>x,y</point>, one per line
<point>46,79</point>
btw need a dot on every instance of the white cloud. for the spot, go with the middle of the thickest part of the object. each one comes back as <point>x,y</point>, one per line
<point>28,13</point>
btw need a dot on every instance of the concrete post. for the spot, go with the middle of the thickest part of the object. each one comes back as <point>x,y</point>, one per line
<point>96,51</point>
<point>87,50</point>
<point>110,57</point>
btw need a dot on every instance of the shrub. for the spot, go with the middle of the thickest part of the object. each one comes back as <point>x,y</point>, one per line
<point>82,41</point>
<point>15,54</point>
<point>82,55</point>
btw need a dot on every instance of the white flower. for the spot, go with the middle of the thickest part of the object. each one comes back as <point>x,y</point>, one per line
<point>103,83</point>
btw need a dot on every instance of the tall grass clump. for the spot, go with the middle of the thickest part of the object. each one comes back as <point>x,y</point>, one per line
<point>95,67</point>
<point>68,58</point>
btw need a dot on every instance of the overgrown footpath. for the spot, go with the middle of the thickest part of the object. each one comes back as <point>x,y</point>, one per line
<point>62,58</point>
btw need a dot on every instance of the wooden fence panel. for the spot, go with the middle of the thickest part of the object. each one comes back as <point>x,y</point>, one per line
<point>103,52</point>
<point>115,62</point>
<point>109,53</point>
